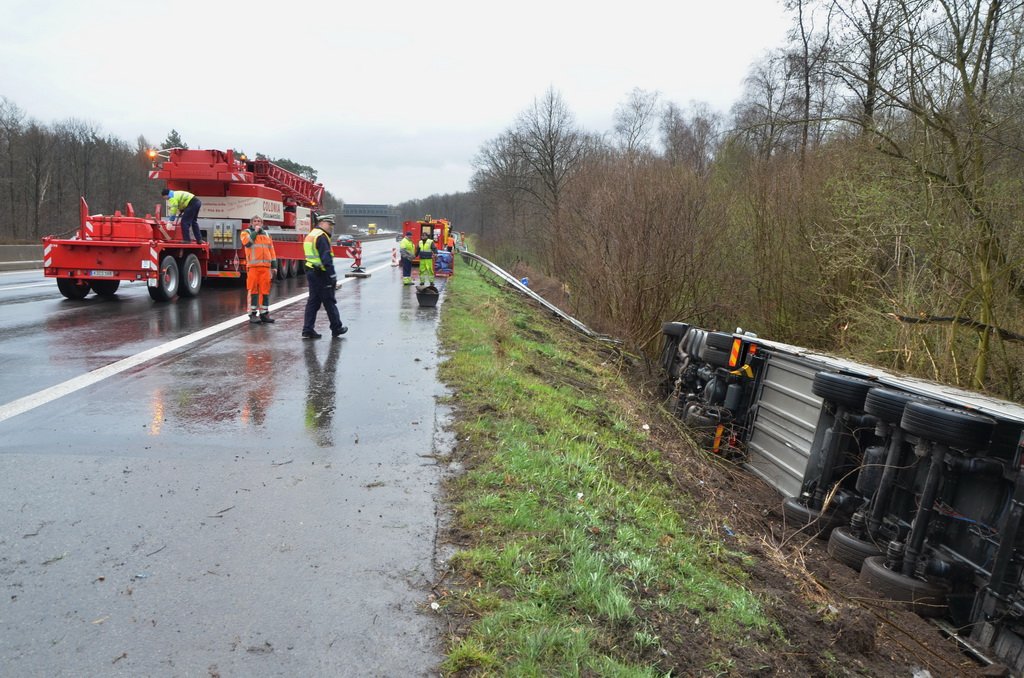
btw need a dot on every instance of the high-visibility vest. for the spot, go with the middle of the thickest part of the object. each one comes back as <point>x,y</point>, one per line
<point>427,248</point>
<point>407,246</point>
<point>309,247</point>
<point>259,251</point>
<point>178,202</point>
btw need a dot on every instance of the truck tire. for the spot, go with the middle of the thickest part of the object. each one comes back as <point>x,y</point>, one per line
<point>292,268</point>
<point>190,276</point>
<point>924,598</point>
<point>282,270</point>
<point>167,280</point>
<point>948,425</point>
<point>841,389</point>
<point>810,520</point>
<point>888,404</point>
<point>719,340</point>
<point>849,550</point>
<point>72,289</point>
<point>105,288</point>
<point>715,357</point>
<point>674,329</point>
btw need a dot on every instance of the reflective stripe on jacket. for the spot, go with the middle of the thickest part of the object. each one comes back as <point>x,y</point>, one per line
<point>259,251</point>
<point>177,203</point>
<point>427,246</point>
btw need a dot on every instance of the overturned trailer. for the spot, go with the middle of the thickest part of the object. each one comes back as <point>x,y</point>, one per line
<point>916,484</point>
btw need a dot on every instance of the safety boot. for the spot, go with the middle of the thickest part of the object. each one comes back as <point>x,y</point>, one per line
<point>253,318</point>
<point>265,318</point>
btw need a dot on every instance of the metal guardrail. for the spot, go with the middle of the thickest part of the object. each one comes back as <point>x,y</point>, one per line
<point>470,258</point>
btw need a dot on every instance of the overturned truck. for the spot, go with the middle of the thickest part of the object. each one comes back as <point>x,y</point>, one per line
<point>917,485</point>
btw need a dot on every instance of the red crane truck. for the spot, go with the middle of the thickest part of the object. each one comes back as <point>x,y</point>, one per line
<point>109,249</point>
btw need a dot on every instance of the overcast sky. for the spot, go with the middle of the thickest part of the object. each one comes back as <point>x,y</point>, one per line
<point>389,101</point>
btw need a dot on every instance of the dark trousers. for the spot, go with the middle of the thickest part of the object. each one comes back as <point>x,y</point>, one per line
<point>406,268</point>
<point>321,293</point>
<point>188,220</point>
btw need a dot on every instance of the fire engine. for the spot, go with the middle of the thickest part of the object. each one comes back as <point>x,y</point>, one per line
<point>107,250</point>
<point>437,230</point>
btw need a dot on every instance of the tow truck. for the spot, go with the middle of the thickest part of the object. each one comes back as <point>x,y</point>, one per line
<point>109,249</point>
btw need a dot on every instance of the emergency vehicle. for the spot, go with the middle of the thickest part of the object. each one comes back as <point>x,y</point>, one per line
<point>109,249</point>
<point>438,231</point>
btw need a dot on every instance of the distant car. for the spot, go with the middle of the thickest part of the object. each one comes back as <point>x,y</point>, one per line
<point>346,241</point>
<point>398,238</point>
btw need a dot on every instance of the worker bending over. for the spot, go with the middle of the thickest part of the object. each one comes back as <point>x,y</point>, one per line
<point>187,205</point>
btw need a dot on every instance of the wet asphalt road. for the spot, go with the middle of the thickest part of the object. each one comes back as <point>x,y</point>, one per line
<point>249,504</point>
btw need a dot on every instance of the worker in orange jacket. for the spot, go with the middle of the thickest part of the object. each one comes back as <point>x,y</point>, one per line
<point>261,268</point>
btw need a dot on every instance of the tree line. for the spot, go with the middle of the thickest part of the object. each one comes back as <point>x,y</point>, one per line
<point>864,196</point>
<point>46,168</point>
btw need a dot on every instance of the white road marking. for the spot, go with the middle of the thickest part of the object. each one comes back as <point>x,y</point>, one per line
<point>47,395</point>
<point>25,287</point>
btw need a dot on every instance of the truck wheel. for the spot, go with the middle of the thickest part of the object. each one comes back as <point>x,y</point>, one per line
<point>715,357</point>
<point>948,425</point>
<point>924,598</point>
<point>719,340</point>
<point>674,329</point>
<point>167,281</point>
<point>799,516</point>
<point>849,550</point>
<point>282,271</point>
<point>105,288</point>
<point>888,405</point>
<point>841,389</point>
<point>72,289</point>
<point>191,276</point>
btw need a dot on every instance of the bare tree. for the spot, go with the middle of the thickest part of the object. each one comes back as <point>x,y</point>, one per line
<point>12,120</point>
<point>635,119</point>
<point>691,137</point>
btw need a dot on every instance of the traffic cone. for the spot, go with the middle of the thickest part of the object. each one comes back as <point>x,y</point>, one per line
<point>394,256</point>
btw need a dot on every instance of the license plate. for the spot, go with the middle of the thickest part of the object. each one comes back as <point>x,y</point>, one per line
<point>101,274</point>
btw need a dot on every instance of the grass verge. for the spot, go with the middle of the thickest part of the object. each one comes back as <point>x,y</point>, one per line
<point>576,553</point>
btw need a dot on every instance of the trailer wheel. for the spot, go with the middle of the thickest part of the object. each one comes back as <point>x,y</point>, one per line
<point>924,598</point>
<point>282,270</point>
<point>841,389</point>
<point>167,281</point>
<point>191,276</point>
<point>105,288</point>
<point>948,425</point>
<point>849,550</point>
<point>888,405</point>
<point>811,520</point>
<point>72,289</point>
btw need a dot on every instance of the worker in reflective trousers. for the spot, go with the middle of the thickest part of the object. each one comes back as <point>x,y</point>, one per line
<point>426,255</point>
<point>187,205</point>
<point>408,250</point>
<point>260,269</point>
<point>321,279</point>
